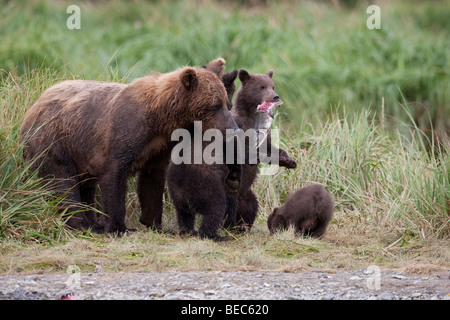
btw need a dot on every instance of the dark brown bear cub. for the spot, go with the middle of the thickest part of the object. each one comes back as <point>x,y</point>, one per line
<point>256,89</point>
<point>309,210</point>
<point>206,189</point>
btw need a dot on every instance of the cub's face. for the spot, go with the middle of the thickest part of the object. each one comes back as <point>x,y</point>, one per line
<point>257,88</point>
<point>275,221</point>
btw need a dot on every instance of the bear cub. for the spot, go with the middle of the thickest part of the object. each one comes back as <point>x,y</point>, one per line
<point>219,183</point>
<point>256,89</point>
<point>308,209</point>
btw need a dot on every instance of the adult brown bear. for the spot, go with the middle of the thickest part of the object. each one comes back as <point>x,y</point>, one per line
<point>88,132</point>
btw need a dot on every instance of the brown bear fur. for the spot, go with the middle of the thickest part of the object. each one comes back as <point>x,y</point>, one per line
<point>151,179</point>
<point>218,66</point>
<point>308,209</point>
<point>88,132</point>
<point>219,190</point>
<point>201,188</point>
<point>255,89</point>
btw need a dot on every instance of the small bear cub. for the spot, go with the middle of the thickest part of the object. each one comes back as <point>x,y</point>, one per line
<point>308,209</point>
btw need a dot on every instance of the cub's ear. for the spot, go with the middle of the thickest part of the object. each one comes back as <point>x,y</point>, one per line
<point>270,74</point>
<point>228,78</point>
<point>188,78</point>
<point>243,75</point>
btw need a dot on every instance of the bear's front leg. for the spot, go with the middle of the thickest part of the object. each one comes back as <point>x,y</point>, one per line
<point>186,219</point>
<point>150,190</point>
<point>286,161</point>
<point>113,188</point>
<point>232,203</point>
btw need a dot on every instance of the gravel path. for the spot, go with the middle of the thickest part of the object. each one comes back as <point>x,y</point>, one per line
<point>358,284</point>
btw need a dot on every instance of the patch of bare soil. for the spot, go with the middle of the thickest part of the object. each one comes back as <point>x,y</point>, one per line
<point>419,282</point>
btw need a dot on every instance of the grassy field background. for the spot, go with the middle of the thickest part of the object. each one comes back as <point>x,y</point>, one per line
<point>366,113</point>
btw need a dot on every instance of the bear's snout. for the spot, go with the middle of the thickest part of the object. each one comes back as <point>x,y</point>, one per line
<point>271,97</point>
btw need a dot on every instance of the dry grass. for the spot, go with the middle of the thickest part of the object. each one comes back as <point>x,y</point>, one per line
<point>341,248</point>
<point>392,196</point>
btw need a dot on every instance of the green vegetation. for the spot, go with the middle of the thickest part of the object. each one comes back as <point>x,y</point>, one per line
<point>323,56</point>
<point>387,164</point>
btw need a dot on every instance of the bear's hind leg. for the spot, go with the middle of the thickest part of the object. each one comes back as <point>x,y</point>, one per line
<point>87,194</point>
<point>66,183</point>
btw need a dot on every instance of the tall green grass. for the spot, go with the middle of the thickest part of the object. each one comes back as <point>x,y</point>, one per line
<point>383,178</point>
<point>330,70</point>
<point>322,55</point>
<point>28,208</point>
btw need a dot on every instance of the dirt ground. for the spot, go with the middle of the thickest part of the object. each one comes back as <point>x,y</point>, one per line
<point>369,284</point>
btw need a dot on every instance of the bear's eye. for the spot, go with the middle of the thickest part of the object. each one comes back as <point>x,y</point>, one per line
<point>216,107</point>
<point>262,87</point>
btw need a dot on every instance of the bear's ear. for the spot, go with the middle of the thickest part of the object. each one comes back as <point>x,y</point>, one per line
<point>218,63</point>
<point>243,75</point>
<point>189,78</point>
<point>270,74</point>
<point>217,66</point>
<point>229,77</point>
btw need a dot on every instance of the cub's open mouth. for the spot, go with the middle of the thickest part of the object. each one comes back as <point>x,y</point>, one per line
<point>269,107</point>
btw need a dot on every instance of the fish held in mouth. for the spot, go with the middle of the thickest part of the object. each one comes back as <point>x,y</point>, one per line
<point>269,107</point>
<point>264,114</point>
<point>263,120</point>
